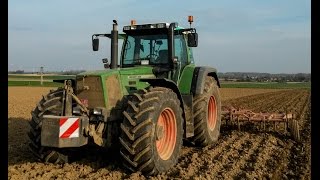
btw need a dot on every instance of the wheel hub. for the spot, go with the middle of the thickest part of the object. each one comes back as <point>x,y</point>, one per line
<point>166,133</point>
<point>212,113</point>
<point>160,132</point>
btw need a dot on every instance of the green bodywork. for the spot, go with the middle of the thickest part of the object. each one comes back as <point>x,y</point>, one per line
<point>184,83</point>
<point>124,76</point>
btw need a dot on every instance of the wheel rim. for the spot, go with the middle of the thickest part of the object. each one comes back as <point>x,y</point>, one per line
<point>166,133</point>
<point>212,113</point>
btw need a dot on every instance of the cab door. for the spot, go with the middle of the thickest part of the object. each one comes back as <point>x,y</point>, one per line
<point>181,56</point>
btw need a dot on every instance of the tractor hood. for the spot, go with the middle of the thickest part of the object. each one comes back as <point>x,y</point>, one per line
<point>98,72</point>
<point>105,88</point>
<point>136,70</point>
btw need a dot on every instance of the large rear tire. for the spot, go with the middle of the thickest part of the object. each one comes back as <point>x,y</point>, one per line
<point>152,131</point>
<point>207,114</point>
<point>50,104</point>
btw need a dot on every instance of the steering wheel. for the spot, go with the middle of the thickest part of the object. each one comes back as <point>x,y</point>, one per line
<point>152,56</point>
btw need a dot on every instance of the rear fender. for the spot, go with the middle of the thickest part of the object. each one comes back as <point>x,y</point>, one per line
<point>199,77</point>
<point>168,84</point>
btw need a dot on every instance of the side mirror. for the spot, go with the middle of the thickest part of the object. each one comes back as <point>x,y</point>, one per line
<point>95,44</point>
<point>193,39</point>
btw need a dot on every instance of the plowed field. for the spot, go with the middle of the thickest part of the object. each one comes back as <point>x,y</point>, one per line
<point>248,154</point>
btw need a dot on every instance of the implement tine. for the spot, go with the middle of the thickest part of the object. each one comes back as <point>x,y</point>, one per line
<point>264,124</point>
<point>238,123</point>
<point>286,120</point>
<point>230,116</point>
<point>286,126</point>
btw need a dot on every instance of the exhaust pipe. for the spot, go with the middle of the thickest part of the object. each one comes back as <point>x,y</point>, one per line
<point>114,46</point>
<point>171,42</point>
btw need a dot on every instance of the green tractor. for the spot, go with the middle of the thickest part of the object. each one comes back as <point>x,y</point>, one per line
<point>146,105</point>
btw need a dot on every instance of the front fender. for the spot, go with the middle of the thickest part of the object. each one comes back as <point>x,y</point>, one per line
<point>163,82</point>
<point>198,79</point>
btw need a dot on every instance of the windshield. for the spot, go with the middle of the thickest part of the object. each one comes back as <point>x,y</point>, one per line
<point>145,49</point>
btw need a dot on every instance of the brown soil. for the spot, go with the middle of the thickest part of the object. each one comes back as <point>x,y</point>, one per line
<point>233,93</point>
<point>245,154</point>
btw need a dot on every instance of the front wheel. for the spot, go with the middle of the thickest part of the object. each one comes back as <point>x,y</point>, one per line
<point>207,114</point>
<point>151,136</point>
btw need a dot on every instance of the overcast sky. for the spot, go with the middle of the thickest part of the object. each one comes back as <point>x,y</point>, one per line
<point>272,36</point>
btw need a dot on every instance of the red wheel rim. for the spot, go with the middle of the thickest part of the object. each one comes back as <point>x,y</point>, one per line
<point>212,113</point>
<point>166,133</point>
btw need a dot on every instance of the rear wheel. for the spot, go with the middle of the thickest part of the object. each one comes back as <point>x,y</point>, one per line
<point>207,114</point>
<point>151,136</point>
<point>50,104</point>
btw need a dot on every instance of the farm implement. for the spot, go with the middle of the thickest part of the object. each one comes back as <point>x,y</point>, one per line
<point>239,116</point>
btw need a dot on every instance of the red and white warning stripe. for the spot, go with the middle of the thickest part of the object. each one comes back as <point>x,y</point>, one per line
<point>69,128</point>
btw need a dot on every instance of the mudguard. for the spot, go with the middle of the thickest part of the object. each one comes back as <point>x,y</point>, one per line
<point>198,79</point>
<point>163,82</point>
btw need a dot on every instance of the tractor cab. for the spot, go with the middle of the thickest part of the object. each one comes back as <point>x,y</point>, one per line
<point>166,47</point>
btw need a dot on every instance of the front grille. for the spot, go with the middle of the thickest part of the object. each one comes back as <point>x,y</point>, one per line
<point>94,93</point>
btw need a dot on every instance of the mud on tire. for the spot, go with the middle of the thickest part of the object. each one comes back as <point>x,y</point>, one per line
<point>146,145</point>
<point>49,104</point>
<point>207,114</point>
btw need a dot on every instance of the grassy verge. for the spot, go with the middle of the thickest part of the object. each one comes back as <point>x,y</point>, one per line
<point>37,77</point>
<point>34,80</point>
<point>34,83</point>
